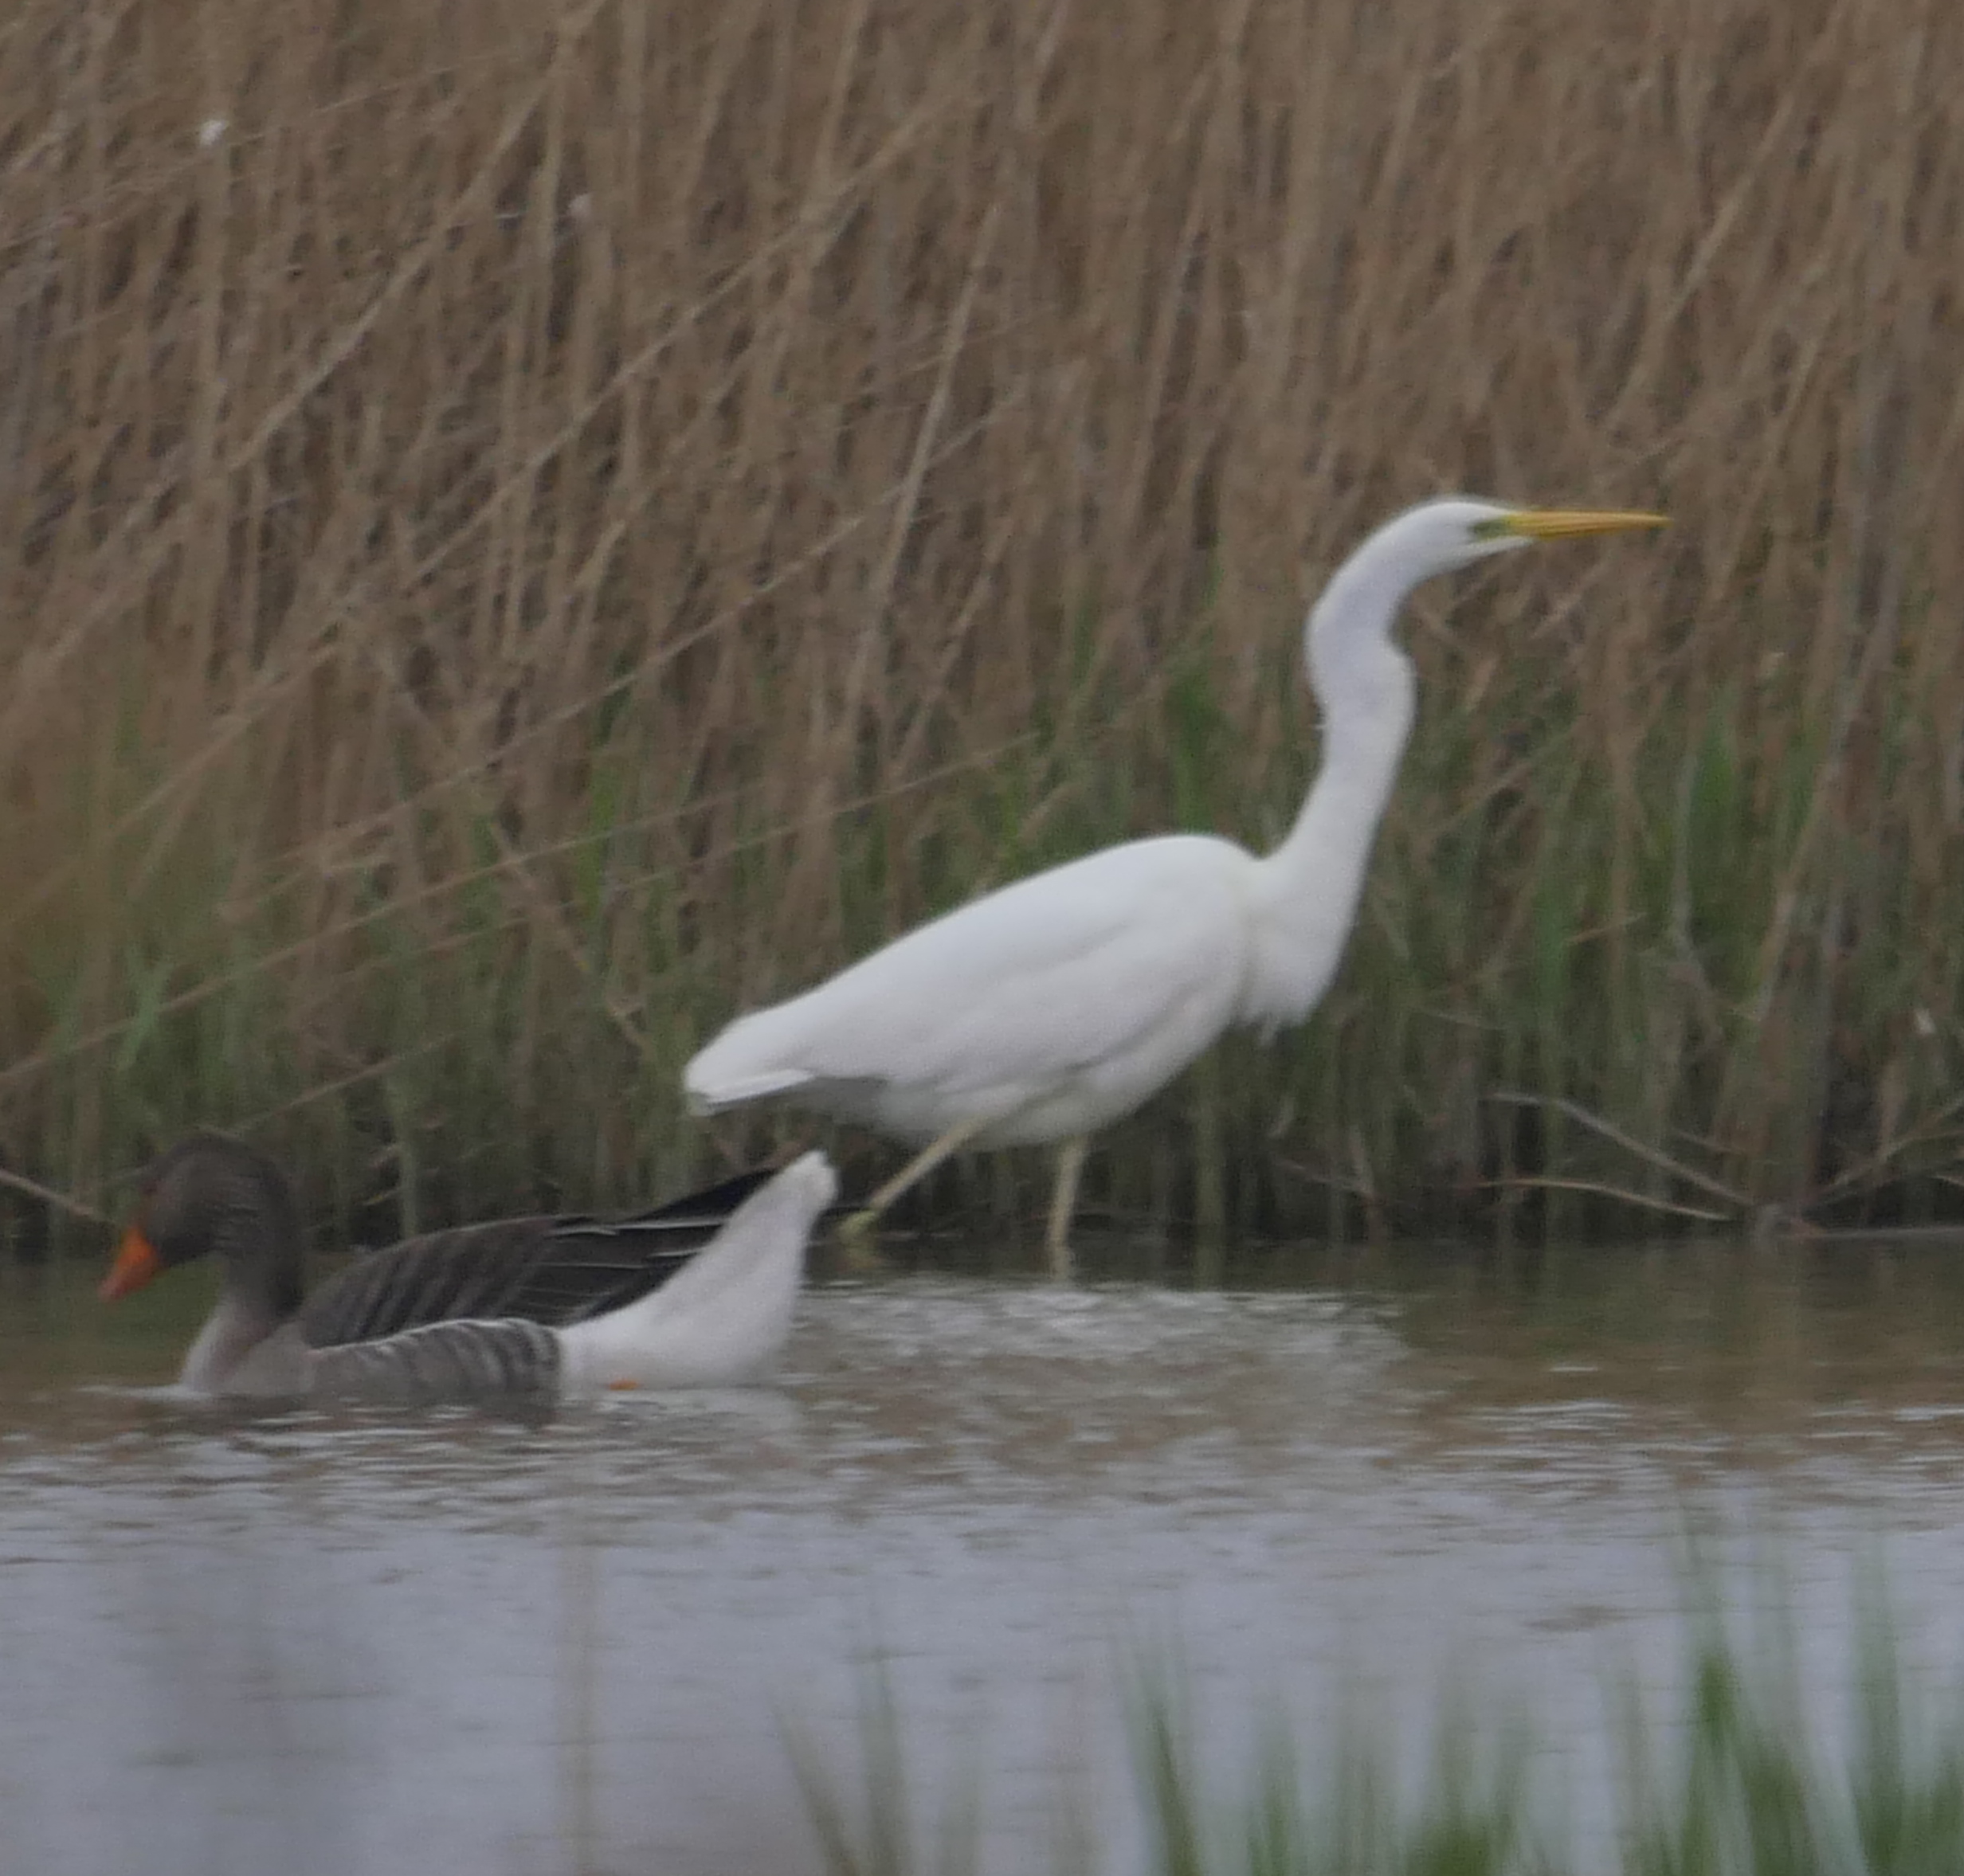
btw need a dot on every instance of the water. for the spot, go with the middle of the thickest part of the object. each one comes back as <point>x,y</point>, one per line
<point>447,1643</point>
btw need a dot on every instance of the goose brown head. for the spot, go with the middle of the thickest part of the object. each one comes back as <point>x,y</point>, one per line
<point>212,1194</point>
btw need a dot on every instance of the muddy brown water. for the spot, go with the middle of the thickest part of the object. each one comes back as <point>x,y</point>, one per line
<point>1346,1482</point>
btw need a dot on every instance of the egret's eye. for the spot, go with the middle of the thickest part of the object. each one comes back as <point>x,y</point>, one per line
<point>1492,528</point>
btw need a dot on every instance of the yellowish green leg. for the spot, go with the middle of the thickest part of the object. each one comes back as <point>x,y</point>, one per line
<point>1063,1202</point>
<point>856,1232</point>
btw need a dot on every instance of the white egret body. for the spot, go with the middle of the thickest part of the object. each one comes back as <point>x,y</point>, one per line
<point>1050,1008</point>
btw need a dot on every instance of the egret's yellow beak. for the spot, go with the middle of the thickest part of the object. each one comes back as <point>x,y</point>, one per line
<point>1558,524</point>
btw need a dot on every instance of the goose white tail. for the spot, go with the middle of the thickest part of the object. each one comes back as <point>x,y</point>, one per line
<point>721,1319</point>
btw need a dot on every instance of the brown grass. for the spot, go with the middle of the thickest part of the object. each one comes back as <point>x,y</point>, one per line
<point>553,525</point>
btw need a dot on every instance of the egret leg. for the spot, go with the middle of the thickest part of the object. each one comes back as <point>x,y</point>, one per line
<point>1063,1202</point>
<point>857,1232</point>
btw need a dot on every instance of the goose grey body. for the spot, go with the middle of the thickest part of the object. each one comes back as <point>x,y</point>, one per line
<point>505,1361</point>
<point>466,1361</point>
<point>554,1270</point>
<point>522,1309</point>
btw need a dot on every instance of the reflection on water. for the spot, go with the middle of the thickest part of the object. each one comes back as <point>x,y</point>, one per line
<point>450,1644</point>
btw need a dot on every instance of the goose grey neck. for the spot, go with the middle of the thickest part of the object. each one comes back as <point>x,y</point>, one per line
<point>245,1348</point>
<point>254,1237</point>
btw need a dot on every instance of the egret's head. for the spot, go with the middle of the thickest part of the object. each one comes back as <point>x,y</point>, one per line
<point>1358,607</point>
<point>1439,536</point>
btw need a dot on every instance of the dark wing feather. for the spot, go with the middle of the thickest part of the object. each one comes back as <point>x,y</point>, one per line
<point>554,1271</point>
<point>444,1362</point>
<point>709,1207</point>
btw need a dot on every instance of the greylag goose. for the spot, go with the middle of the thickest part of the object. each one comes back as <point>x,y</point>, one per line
<point>698,1293</point>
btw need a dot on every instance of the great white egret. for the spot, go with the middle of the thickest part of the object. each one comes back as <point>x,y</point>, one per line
<point>698,1294</point>
<point>1050,1008</point>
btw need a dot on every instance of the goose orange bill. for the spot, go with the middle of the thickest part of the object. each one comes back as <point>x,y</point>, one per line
<point>137,1261</point>
<point>1555,524</point>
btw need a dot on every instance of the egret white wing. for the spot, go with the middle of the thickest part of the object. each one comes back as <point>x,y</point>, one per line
<point>1053,974</point>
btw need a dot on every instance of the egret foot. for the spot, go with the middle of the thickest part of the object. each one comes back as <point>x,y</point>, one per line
<point>859,1242</point>
<point>856,1233</point>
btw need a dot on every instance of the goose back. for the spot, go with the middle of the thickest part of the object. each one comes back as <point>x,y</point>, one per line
<point>552,1271</point>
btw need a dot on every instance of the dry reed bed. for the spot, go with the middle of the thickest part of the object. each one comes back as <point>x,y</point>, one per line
<point>528,530</point>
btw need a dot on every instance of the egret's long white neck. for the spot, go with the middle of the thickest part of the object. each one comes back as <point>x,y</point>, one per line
<point>1364,686</point>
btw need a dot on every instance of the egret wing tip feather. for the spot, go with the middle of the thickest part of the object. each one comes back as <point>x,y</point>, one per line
<point>734,1090</point>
